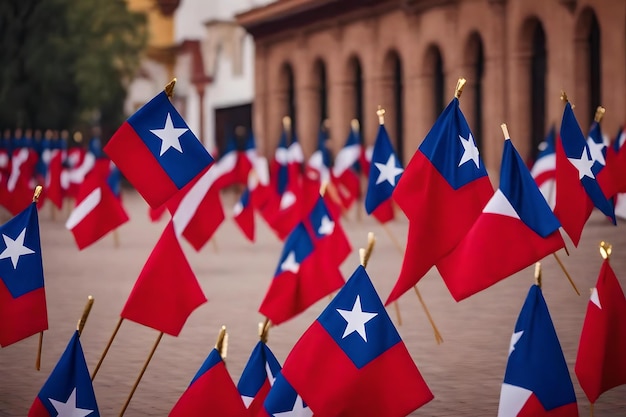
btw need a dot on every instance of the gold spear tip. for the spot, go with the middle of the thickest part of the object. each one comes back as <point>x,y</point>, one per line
<point>459,87</point>
<point>37,193</point>
<point>381,115</point>
<point>538,274</point>
<point>505,131</point>
<point>362,257</point>
<point>599,114</point>
<point>326,124</point>
<point>286,122</point>
<point>264,328</point>
<point>83,319</point>
<point>169,88</point>
<point>564,96</point>
<point>222,342</point>
<point>354,124</point>
<point>605,250</point>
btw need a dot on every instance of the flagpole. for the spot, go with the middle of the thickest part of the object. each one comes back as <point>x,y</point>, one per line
<point>569,278</point>
<point>83,319</point>
<point>591,409</point>
<point>36,195</point>
<point>222,342</point>
<point>106,349</point>
<point>538,274</point>
<point>116,238</point>
<point>143,370</point>
<point>264,329</point>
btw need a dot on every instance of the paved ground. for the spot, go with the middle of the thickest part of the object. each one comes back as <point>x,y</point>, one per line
<point>464,373</point>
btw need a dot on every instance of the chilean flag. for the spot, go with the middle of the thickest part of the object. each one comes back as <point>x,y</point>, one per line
<point>385,170</point>
<point>157,152</point>
<point>442,193</point>
<point>518,218</point>
<point>244,215</point>
<point>283,400</point>
<point>601,358</point>
<point>23,309</point>
<point>301,278</point>
<point>210,393</point>
<point>344,176</point>
<point>257,378</point>
<point>577,179</point>
<point>536,381</point>
<point>351,361</point>
<point>544,168</point>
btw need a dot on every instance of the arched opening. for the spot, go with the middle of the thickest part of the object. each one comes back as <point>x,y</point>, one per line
<point>321,89</point>
<point>588,66</point>
<point>538,71</point>
<point>289,94</point>
<point>473,93</point>
<point>394,100</point>
<point>355,74</point>
<point>435,77</point>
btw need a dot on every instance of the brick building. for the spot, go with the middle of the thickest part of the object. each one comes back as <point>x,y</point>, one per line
<point>340,59</point>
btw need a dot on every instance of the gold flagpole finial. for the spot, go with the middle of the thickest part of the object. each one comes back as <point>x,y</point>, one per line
<point>287,123</point>
<point>605,250</point>
<point>599,114</point>
<point>169,88</point>
<point>564,96</point>
<point>459,87</point>
<point>37,193</point>
<point>381,115</point>
<point>354,124</point>
<point>222,342</point>
<point>83,320</point>
<point>264,329</point>
<point>365,254</point>
<point>505,131</point>
<point>538,274</point>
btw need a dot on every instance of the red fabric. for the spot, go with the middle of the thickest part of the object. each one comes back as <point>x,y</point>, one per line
<point>332,385</point>
<point>471,266</point>
<point>54,189</point>
<point>97,211</point>
<point>573,205</point>
<point>213,393</point>
<point>245,220</point>
<point>166,291</point>
<point>138,165</point>
<point>18,191</point>
<point>533,408</point>
<point>23,316</point>
<point>37,409</point>
<point>601,358</point>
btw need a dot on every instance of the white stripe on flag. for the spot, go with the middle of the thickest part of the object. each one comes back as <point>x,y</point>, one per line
<point>84,208</point>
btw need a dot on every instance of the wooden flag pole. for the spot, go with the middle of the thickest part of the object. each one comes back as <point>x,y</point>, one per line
<point>569,278</point>
<point>538,274</point>
<point>116,238</point>
<point>398,245</point>
<point>83,319</point>
<point>106,349</point>
<point>143,370</point>
<point>36,195</point>
<point>264,329</point>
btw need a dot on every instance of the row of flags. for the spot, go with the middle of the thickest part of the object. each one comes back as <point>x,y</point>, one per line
<point>445,192</point>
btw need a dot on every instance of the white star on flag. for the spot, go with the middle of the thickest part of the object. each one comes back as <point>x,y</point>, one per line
<point>298,410</point>
<point>514,339</point>
<point>470,151</point>
<point>595,149</point>
<point>15,248</point>
<point>169,135</point>
<point>356,319</point>
<point>583,165</point>
<point>595,298</point>
<point>287,200</point>
<point>327,226</point>
<point>69,408</point>
<point>388,171</point>
<point>290,263</point>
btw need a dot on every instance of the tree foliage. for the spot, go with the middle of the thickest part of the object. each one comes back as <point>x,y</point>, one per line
<point>66,63</point>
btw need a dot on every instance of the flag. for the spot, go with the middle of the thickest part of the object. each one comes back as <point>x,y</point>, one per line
<point>166,291</point>
<point>230,160</point>
<point>344,175</point>
<point>601,362</point>
<point>319,161</point>
<point>578,190</point>
<point>97,211</point>
<point>442,193</point>
<point>157,152</point>
<point>23,309</point>
<point>330,240</point>
<point>283,401</point>
<point>544,168</point>
<point>352,362</point>
<point>211,392</point>
<point>383,176</point>
<point>244,215</point>
<point>518,218</point>
<point>68,390</point>
<point>18,191</point>
<point>301,278</point>
<point>55,192</point>
<point>197,209</point>
<point>598,149</point>
<point>257,378</point>
<point>536,380</point>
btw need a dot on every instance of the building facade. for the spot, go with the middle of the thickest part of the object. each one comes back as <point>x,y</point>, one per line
<point>340,59</point>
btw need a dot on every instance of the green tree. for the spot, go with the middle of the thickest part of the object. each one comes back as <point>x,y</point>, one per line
<point>67,63</point>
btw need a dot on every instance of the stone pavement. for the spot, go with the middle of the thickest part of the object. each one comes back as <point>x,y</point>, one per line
<point>464,373</point>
